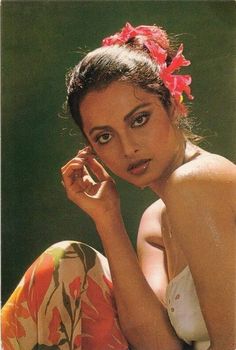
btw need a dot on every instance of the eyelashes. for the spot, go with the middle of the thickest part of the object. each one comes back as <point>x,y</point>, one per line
<point>140,120</point>
<point>104,138</point>
<point>136,122</point>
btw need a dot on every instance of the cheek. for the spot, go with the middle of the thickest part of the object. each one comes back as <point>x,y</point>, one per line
<point>158,135</point>
<point>108,157</point>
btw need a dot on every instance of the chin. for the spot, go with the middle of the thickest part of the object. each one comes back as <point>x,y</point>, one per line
<point>144,181</point>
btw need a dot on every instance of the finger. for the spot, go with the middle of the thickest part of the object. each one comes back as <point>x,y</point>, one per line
<point>84,181</point>
<point>86,150</point>
<point>82,196</point>
<point>75,160</point>
<point>97,169</point>
<point>73,167</point>
<point>81,156</point>
<point>84,153</point>
<point>77,178</point>
<point>72,173</point>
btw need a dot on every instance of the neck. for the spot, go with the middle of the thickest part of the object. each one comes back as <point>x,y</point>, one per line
<point>186,152</point>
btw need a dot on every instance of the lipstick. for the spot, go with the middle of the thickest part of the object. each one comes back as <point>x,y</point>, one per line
<point>139,167</point>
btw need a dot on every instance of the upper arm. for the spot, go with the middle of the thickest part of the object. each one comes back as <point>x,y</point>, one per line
<point>151,251</point>
<point>204,224</point>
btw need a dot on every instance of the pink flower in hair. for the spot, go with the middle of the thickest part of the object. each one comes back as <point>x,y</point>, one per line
<point>156,52</point>
<point>157,43</point>
<point>178,61</point>
<point>176,84</point>
<point>154,33</point>
<point>129,32</point>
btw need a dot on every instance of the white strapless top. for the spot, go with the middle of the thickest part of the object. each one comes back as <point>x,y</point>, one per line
<point>184,310</point>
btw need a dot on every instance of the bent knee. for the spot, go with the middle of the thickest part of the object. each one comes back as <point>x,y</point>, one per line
<point>83,255</point>
<point>71,249</point>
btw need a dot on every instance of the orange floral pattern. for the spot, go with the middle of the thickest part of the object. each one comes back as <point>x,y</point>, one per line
<point>13,312</point>
<point>98,318</point>
<point>63,302</point>
<point>54,326</point>
<point>37,281</point>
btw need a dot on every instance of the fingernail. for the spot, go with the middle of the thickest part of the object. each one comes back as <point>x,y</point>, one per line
<point>80,159</point>
<point>88,149</point>
<point>84,150</point>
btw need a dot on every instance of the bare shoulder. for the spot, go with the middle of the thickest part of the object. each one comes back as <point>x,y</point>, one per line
<point>201,207</point>
<point>208,176</point>
<point>207,166</point>
<point>150,224</point>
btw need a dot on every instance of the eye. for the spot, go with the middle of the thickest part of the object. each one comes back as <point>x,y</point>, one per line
<point>140,120</point>
<point>104,138</point>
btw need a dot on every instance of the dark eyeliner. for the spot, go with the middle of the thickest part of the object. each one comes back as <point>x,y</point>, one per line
<point>99,136</point>
<point>142,114</point>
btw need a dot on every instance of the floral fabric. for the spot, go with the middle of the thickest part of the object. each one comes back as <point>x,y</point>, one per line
<point>63,302</point>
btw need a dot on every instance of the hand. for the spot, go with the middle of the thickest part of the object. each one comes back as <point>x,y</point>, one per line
<point>96,197</point>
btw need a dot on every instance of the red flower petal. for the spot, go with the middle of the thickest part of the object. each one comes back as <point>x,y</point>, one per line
<point>54,325</point>
<point>99,323</point>
<point>128,32</point>
<point>77,342</point>
<point>178,84</point>
<point>11,327</point>
<point>88,310</point>
<point>108,283</point>
<point>37,281</point>
<point>178,61</point>
<point>157,43</point>
<point>74,287</point>
<point>11,314</point>
<point>7,344</point>
<point>154,33</point>
<point>156,51</point>
<point>20,331</point>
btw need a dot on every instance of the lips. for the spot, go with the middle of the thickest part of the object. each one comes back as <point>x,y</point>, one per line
<point>138,167</point>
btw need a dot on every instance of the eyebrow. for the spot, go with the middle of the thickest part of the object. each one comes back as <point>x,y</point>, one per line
<point>126,117</point>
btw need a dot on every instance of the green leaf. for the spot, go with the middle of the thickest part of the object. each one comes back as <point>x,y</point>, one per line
<point>62,328</point>
<point>56,285</point>
<point>90,256</point>
<point>45,347</point>
<point>57,254</point>
<point>77,303</point>
<point>63,341</point>
<point>78,251</point>
<point>66,301</point>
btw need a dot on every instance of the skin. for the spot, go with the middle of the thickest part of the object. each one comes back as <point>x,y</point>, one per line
<point>193,222</point>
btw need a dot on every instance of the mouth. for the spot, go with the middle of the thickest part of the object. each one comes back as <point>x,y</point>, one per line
<point>139,168</point>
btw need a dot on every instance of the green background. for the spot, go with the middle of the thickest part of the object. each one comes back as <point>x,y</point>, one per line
<point>40,42</point>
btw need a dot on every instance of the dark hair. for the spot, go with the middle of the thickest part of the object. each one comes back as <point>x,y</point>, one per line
<point>128,63</point>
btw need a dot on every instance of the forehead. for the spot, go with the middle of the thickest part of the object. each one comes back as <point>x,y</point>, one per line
<point>116,100</point>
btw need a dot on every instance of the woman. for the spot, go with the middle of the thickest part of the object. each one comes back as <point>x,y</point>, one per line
<point>180,287</point>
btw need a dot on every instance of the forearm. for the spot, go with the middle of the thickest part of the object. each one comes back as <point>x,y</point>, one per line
<point>143,318</point>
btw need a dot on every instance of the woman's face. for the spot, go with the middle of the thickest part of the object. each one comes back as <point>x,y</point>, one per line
<point>132,133</point>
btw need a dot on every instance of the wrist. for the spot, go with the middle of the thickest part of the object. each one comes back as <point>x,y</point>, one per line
<point>109,222</point>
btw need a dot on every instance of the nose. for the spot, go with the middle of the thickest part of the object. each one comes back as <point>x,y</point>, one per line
<point>129,147</point>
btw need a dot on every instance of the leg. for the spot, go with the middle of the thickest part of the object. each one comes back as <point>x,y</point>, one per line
<point>64,302</point>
